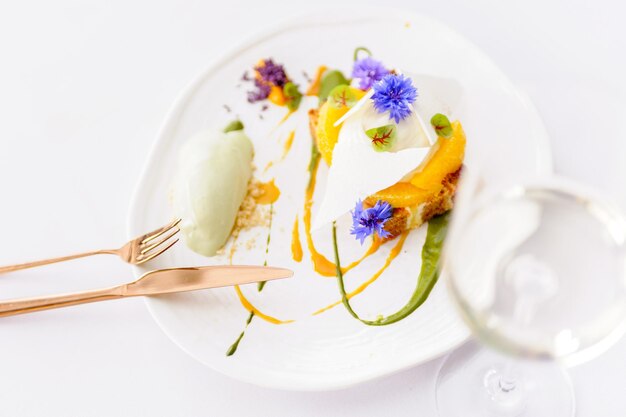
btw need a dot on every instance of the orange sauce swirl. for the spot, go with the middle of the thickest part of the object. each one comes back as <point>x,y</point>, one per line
<point>314,87</point>
<point>270,193</point>
<point>395,251</point>
<point>252,309</point>
<point>296,246</point>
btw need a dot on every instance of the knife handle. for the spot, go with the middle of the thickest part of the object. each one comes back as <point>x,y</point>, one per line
<point>30,305</point>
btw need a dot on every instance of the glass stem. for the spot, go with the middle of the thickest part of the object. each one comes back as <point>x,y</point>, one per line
<point>504,383</point>
<point>503,386</point>
<point>508,380</point>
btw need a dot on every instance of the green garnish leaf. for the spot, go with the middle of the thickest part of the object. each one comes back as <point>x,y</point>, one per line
<point>442,125</point>
<point>359,49</point>
<point>342,96</point>
<point>233,126</point>
<point>383,137</point>
<point>330,80</point>
<point>293,95</point>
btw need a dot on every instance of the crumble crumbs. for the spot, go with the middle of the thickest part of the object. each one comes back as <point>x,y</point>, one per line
<point>249,216</point>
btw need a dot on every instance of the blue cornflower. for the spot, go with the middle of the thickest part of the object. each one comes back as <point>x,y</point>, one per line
<point>372,220</point>
<point>368,71</point>
<point>394,94</point>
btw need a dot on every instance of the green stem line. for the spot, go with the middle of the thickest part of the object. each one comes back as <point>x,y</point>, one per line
<point>429,273</point>
<point>261,284</point>
<point>233,348</point>
<point>359,49</point>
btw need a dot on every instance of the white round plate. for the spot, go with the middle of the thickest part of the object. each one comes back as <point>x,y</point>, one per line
<point>331,350</point>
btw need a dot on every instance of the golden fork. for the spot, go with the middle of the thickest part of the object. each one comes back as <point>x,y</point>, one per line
<point>164,281</point>
<point>137,251</point>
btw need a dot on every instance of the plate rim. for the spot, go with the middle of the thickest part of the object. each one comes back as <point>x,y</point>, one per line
<point>316,15</point>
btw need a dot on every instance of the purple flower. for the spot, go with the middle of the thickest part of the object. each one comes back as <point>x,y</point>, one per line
<point>368,71</point>
<point>394,94</point>
<point>369,221</point>
<point>261,93</point>
<point>271,73</point>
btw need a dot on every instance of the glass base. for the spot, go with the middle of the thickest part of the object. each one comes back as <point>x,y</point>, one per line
<point>477,382</point>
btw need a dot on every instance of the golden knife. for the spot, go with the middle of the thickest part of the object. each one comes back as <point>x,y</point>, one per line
<point>163,281</point>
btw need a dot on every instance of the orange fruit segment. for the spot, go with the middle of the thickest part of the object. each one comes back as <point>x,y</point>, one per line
<point>326,132</point>
<point>445,157</point>
<point>401,194</point>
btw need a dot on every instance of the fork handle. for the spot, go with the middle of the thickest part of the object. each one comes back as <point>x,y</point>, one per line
<point>26,265</point>
<point>30,305</point>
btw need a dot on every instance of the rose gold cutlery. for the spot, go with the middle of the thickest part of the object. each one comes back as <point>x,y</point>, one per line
<point>136,252</point>
<point>164,281</point>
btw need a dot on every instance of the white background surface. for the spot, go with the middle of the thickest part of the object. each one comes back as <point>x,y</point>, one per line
<point>83,90</point>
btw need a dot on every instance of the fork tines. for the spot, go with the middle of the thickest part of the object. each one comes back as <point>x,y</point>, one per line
<point>155,243</point>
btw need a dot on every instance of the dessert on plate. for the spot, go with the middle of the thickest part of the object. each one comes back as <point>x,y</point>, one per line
<point>391,169</point>
<point>380,150</point>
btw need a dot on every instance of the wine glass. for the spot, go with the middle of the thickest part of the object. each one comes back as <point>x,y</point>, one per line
<point>537,269</point>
